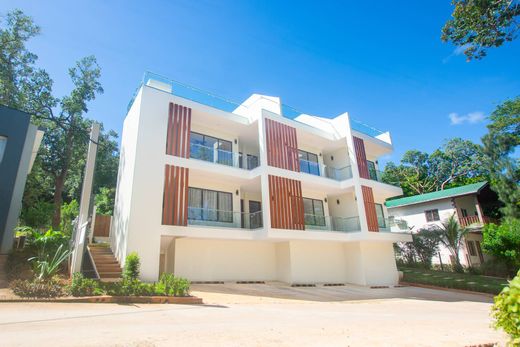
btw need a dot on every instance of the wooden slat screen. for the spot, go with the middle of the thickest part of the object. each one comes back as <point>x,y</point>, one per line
<point>178,131</point>
<point>175,198</point>
<point>286,203</point>
<point>282,146</point>
<point>361,157</point>
<point>370,209</point>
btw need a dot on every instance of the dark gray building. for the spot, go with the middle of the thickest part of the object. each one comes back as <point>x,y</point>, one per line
<point>19,143</point>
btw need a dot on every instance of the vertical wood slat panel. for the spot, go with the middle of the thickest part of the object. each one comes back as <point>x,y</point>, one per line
<point>361,157</point>
<point>175,196</point>
<point>282,146</point>
<point>178,132</point>
<point>370,209</point>
<point>286,203</point>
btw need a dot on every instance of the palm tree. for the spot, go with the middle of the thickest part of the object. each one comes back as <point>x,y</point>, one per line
<point>451,235</point>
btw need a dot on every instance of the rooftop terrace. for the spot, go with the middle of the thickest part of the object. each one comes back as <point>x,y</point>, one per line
<point>203,97</point>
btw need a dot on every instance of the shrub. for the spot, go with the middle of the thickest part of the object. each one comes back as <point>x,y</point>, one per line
<point>170,285</point>
<point>132,265</point>
<point>37,288</point>
<point>506,310</point>
<point>495,267</point>
<point>47,267</point>
<point>503,242</point>
<point>81,286</point>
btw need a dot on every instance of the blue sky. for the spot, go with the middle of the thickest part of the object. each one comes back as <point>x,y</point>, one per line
<point>382,61</point>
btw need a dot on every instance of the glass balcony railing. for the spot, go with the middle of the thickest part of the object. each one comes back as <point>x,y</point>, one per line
<point>219,156</point>
<point>329,223</point>
<point>376,175</point>
<point>224,219</point>
<point>393,225</point>
<point>313,168</point>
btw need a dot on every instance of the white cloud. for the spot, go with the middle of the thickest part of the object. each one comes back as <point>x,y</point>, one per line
<point>471,118</point>
<point>459,50</point>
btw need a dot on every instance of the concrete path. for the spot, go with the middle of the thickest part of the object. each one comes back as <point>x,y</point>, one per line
<point>261,315</point>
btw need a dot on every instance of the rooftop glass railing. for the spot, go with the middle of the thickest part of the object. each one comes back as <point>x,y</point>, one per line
<point>224,219</point>
<point>209,99</point>
<point>219,156</point>
<point>329,223</point>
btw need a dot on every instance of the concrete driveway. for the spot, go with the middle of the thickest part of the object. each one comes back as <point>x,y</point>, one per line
<point>262,315</point>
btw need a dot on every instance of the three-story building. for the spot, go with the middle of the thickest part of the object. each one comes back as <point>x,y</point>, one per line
<point>217,191</point>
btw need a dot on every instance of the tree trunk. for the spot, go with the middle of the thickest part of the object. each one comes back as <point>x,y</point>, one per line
<point>59,183</point>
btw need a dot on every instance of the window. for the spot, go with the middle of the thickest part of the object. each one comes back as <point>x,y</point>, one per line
<point>309,163</point>
<point>210,148</point>
<point>372,172</point>
<point>432,215</point>
<point>464,212</point>
<point>314,212</point>
<point>471,249</point>
<point>210,205</point>
<point>3,144</point>
<point>380,216</point>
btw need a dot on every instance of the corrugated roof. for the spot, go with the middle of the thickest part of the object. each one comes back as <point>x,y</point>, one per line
<point>441,194</point>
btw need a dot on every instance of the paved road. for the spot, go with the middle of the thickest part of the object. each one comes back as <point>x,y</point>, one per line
<point>261,315</point>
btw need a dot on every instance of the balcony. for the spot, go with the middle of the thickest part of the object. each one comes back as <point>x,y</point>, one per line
<point>313,168</point>
<point>393,225</point>
<point>222,157</point>
<point>329,223</point>
<point>224,219</point>
<point>475,221</point>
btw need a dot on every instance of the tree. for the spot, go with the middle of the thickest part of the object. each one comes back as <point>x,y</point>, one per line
<point>424,245</point>
<point>451,235</point>
<point>503,242</point>
<point>500,144</point>
<point>481,24</point>
<point>105,201</point>
<point>457,162</point>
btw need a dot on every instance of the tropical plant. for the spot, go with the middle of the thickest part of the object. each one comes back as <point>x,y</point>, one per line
<point>170,285</point>
<point>506,310</point>
<point>452,236</point>
<point>46,243</point>
<point>132,267</point>
<point>47,267</point>
<point>503,242</point>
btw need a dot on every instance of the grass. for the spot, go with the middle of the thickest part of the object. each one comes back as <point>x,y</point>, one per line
<point>477,283</point>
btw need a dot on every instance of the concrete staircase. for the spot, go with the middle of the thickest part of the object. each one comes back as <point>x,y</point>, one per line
<point>3,277</point>
<point>106,265</point>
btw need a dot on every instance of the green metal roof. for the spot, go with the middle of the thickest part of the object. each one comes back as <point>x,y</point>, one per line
<point>441,194</point>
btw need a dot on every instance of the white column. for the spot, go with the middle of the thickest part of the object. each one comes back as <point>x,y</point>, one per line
<point>264,178</point>
<point>86,192</point>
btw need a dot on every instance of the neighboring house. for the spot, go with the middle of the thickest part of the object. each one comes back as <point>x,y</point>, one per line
<point>471,204</point>
<point>19,143</point>
<point>217,191</point>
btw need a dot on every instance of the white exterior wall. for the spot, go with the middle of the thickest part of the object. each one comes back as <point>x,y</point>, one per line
<point>415,216</point>
<point>211,253</point>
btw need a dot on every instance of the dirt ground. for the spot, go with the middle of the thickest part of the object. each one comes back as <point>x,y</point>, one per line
<point>262,315</point>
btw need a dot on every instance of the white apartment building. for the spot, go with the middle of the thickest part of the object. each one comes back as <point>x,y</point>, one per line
<point>471,204</point>
<point>212,191</point>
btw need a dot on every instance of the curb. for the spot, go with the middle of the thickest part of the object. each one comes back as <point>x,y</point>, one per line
<point>105,299</point>
<point>463,291</point>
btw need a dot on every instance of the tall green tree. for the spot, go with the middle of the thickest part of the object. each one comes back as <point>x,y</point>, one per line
<point>478,25</point>
<point>457,162</point>
<point>501,145</point>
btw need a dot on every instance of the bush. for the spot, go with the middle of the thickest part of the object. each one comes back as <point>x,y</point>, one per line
<point>503,242</point>
<point>47,266</point>
<point>496,268</point>
<point>506,310</point>
<point>170,285</point>
<point>132,265</point>
<point>37,289</point>
<point>81,286</point>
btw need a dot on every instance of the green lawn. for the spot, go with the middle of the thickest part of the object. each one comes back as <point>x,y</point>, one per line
<point>477,283</point>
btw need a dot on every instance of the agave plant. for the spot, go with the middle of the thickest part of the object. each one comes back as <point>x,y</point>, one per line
<point>47,267</point>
